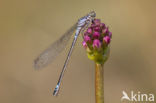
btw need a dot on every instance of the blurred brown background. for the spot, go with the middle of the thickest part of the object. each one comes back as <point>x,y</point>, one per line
<point>27,27</point>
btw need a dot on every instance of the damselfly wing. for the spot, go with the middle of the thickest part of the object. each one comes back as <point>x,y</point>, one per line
<point>48,55</point>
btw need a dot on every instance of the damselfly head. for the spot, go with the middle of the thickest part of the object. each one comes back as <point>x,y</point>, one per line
<point>86,19</point>
<point>92,14</point>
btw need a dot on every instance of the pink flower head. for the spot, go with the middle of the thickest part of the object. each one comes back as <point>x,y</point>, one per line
<point>96,43</point>
<point>96,35</point>
<point>106,39</point>
<point>84,44</point>
<point>87,38</point>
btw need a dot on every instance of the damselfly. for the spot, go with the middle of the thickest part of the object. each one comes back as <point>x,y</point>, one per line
<point>50,53</point>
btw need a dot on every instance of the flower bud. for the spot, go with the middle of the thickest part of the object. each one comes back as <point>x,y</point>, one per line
<point>110,34</point>
<point>97,28</point>
<point>104,31</point>
<point>96,35</point>
<point>106,39</point>
<point>96,43</point>
<point>97,22</point>
<point>87,38</point>
<point>89,31</point>
<point>102,25</point>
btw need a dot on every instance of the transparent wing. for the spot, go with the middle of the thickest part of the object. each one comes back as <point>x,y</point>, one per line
<point>47,56</point>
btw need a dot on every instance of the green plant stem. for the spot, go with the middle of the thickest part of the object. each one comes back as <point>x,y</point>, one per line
<point>99,83</point>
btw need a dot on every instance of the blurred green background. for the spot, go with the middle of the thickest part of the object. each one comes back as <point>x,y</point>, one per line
<point>27,27</point>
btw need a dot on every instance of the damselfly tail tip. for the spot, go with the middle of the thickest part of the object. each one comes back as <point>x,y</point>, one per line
<point>56,90</point>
